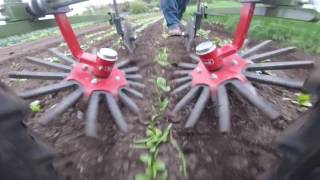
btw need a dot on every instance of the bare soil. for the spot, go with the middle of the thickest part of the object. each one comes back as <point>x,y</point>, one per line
<point>244,154</point>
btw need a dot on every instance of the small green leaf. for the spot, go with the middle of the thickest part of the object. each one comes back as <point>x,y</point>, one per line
<point>160,165</point>
<point>141,177</point>
<point>164,104</point>
<point>304,100</point>
<point>145,158</point>
<point>35,106</point>
<point>162,84</point>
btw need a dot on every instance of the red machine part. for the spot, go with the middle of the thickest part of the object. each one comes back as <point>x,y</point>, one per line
<point>93,73</point>
<point>219,65</point>
<point>232,69</point>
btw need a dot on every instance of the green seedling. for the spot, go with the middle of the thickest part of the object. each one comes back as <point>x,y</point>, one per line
<point>162,84</point>
<point>155,168</point>
<point>35,106</point>
<point>162,58</point>
<point>301,99</point>
<point>203,33</point>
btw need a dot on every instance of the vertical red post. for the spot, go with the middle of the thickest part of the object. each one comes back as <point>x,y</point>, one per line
<point>240,35</point>
<point>68,35</point>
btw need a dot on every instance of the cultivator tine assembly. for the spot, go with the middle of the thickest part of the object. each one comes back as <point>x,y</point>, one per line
<point>181,72</point>
<point>90,77</point>
<point>53,88</point>
<point>186,99</point>
<point>255,48</point>
<point>133,92</point>
<point>194,57</point>
<point>48,64</point>
<point>280,65</point>
<point>221,68</point>
<point>127,101</point>
<point>223,108</point>
<point>268,79</point>
<point>249,93</point>
<point>115,112</point>
<point>181,88</point>
<point>261,57</point>
<point>63,106</point>
<point>199,107</point>
<point>38,75</point>
<point>182,80</point>
<point>92,114</point>
<point>61,56</point>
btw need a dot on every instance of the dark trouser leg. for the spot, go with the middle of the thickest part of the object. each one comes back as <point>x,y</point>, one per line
<point>182,7</point>
<point>170,9</point>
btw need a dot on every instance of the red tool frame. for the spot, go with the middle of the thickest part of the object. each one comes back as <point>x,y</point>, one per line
<point>89,71</point>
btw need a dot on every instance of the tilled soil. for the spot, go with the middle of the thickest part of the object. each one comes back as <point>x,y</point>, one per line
<point>244,154</point>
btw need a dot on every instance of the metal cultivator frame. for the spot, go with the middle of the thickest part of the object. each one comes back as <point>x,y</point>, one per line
<point>217,69</point>
<point>94,77</point>
<point>124,28</point>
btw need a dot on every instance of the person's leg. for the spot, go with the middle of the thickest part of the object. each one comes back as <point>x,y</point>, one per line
<point>182,4</point>
<point>170,11</point>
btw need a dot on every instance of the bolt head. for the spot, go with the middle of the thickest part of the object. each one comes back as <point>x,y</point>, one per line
<point>117,78</point>
<point>234,62</point>
<point>214,76</point>
<point>94,81</point>
<point>85,67</point>
<point>199,70</point>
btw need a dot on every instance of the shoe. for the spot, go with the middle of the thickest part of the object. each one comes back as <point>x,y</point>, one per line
<point>175,31</point>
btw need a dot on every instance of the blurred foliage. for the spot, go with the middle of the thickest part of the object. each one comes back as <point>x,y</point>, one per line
<point>138,6</point>
<point>96,10</point>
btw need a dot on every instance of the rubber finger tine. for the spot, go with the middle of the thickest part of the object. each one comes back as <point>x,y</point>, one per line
<point>282,82</point>
<point>186,99</point>
<point>116,113</point>
<point>134,92</point>
<point>122,63</point>
<point>37,75</point>
<point>136,84</point>
<point>63,57</point>
<point>48,64</point>
<point>248,92</point>
<point>47,89</point>
<point>223,109</point>
<point>129,103</point>
<point>199,107</point>
<point>130,70</point>
<point>60,108</point>
<point>194,57</point>
<point>181,88</point>
<point>92,114</point>
<point>245,43</point>
<point>134,76</point>
<point>187,65</point>
<point>181,72</point>
<point>280,65</point>
<point>182,80</point>
<point>260,57</point>
<point>255,48</point>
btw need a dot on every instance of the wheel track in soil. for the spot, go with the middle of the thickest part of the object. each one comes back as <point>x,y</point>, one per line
<point>243,154</point>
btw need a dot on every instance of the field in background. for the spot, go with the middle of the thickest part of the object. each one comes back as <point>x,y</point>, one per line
<point>304,35</point>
